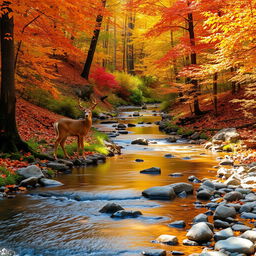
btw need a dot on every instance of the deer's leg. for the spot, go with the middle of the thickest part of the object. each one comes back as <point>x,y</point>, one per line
<point>57,142</point>
<point>62,144</point>
<point>78,145</point>
<point>82,146</point>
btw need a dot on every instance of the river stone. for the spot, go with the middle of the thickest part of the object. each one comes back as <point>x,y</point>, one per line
<point>49,182</point>
<point>131,125</point>
<point>200,232</point>
<point>221,224</point>
<point>121,126</point>
<point>213,253</point>
<point>152,170</point>
<point>194,179</point>
<point>139,160</point>
<point>250,235</point>
<point>111,208</point>
<point>126,214</point>
<point>159,192</point>
<point>208,185</point>
<point>32,181</point>
<point>241,228</point>
<point>154,252</point>
<point>140,141</point>
<point>203,195</point>
<point>219,185</point>
<point>233,196</point>
<point>57,166</point>
<point>168,155</point>
<point>136,114</point>
<point>167,239</point>
<point>235,244</point>
<point>7,252</point>
<point>200,218</point>
<point>227,134</point>
<point>176,174</point>
<point>172,139</point>
<point>189,242</point>
<point>223,212</point>
<point>227,162</point>
<point>223,234</point>
<point>31,171</point>
<point>233,180</point>
<point>177,253</point>
<point>178,224</point>
<point>182,186</point>
<point>248,215</point>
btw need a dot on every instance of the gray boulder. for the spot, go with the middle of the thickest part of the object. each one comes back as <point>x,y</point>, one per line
<point>250,235</point>
<point>233,196</point>
<point>57,166</point>
<point>32,181</point>
<point>167,239</point>
<point>31,171</point>
<point>221,224</point>
<point>200,232</point>
<point>154,252</point>
<point>140,141</point>
<point>240,227</point>
<point>126,214</point>
<point>172,139</point>
<point>111,208</point>
<point>227,162</point>
<point>248,215</point>
<point>223,212</point>
<point>203,195</point>
<point>49,182</point>
<point>178,224</point>
<point>182,186</point>
<point>152,170</point>
<point>227,134</point>
<point>136,114</point>
<point>200,218</point>
<point>223,234</point>
<point>189,242</point>
<point>159,192</point>
<point>235,244</point>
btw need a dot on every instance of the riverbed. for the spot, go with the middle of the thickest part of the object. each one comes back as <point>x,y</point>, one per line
<point>66,221</point>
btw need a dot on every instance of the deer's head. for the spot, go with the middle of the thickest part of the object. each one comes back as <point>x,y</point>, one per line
<point>88,111</point>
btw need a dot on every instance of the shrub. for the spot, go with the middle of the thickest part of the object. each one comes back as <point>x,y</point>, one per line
<point>204,136</point>
<point>8,177</point>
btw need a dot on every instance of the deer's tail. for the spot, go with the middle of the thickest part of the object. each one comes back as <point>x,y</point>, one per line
<point>56,128</point>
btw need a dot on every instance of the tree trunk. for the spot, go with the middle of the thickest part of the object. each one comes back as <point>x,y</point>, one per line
<point>10,140</point>
<point>92,48</point>
<point>197,110</point>
<point>233,84</point>
<point>115,45</point>
<point>215,92</point>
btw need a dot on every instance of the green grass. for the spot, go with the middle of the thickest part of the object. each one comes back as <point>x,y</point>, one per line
<point>8,178</point>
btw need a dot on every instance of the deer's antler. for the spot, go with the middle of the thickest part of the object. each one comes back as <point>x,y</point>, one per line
<point>80,105</point>
<point>94,103</point>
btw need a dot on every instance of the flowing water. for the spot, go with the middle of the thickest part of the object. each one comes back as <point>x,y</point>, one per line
<point>66,221</point>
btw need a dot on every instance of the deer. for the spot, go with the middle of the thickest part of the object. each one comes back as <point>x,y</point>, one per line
<point>66,127</point>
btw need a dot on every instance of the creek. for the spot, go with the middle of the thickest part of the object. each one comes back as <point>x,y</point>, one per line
<point>67,221</point>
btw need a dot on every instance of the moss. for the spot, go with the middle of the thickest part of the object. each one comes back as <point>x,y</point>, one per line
<point>8,177</point>
<point>203,136</point>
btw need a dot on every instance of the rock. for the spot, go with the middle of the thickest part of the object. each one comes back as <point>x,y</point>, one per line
<point>32,181</point>
<point>227,134</point>
<point>111,208</point>
<point>195,136</point>
<point>154,252</point>
<point>213,253</point>
<point>57,166</point>
<point>200,232</point>
<point>223,234</point>
<point>152,170</point>
<point>126,214</point>
<point>200,218</point>
<point>203,195</point>
<point>248,215</point>
<point>208,185</point>
<point>182,186</point>
<point>235,244</point>
<point>167,239</point>
<point>140,141</point>
<point>31,171</point>
<point>123,132</point>
<point>176,174</point>
<point>233,196</point>
<point>208,145</point>
<point>223,212</point>
<point>233,180</point>
<point>227,162</point>
<point>219,185</point>
<point>172,139</point>
<point>239,227</point>
<point>250,235</point>
<point>221,224</point>
<point>66,162</point>
<point>194,179</point>
<point>121,126</point>
<point>159,192</point>
<point>169,156</point>
<point>250,197</point>
<point>131,125</point>
<point>177,253</point>
<point>49,182</point>
<point>136,114</point>
<point>178,224</point>
<point>186,158</point>
<point>7,252</point>
<point>182,194</point>
<point>189,242</point>
<point>139,160</point>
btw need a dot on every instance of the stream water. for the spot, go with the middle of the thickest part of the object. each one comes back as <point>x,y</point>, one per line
<point>59,224</point>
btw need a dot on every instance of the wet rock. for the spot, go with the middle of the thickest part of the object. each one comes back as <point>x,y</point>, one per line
<point>126,214</point>
<point>31,171</point>
<point>233,180</point>
<point>213,253</point>
<point>235,244</point>
<point>241,228</point>
<point>131,125</point>
<point>66,162</point>
<point>200,232</point>
<point>221,224</point>
<point>227,134</point>
<point>169,156</point>
<point>7,252</point>
<point>121,126</point>
<point>167,239</point>
<point>49,182</point>
<point>172,139</point>
<point>154,252</point>
<point>32,181</point>
<point>178,224</point>
<point>111,208</point>
<point>189,242</point>
<point>136,114</point>
<point>159,192</point>
<point>227,162</point>
<point>208,145</point>
<point>248,215</point>
<point>194,179</point>
<point>208,185</point>
<point>182,194</point>
<point>139,160</point>
<point>250,235</point>
<point>176,174</point>
<point>219,185</point>
<point>200,218</point>
<point>140,141</point>
<point>152,170</point>
<point>233,196</point>
<point>186,158</point>
<point>182,186</point>
<point>223,212</point>
<point>250,197</point>
<point>123,132</point>
<point>57,166</point>
<point>223,234</point>
<point>177,253</point>
<point>203,195</point>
